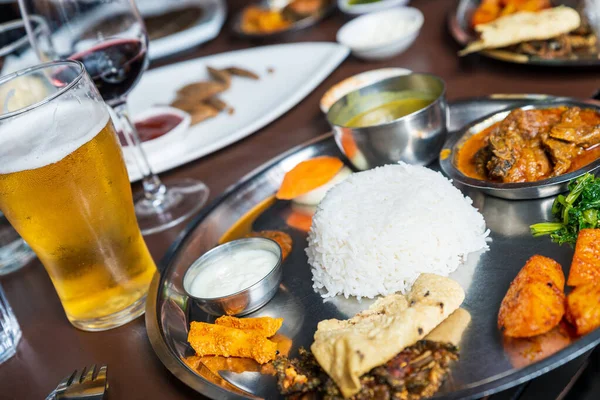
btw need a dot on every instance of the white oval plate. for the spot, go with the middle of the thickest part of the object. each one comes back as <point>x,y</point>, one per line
<point>256,103</point>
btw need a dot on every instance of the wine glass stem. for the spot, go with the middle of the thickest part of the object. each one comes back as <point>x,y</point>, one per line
<point>154,189</point>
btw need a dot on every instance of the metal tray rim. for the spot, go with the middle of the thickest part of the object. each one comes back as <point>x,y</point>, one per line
<point>485,387</point>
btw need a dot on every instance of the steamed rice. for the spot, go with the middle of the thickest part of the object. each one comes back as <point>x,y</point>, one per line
<point>377,231</point>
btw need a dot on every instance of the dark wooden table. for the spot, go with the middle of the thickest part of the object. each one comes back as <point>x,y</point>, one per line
<point>51,348</point>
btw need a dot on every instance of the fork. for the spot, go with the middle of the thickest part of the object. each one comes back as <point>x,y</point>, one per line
<point>90,384</point>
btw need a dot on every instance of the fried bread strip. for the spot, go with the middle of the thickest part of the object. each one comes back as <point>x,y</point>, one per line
<point>264,326</point>
<point>208,339</point>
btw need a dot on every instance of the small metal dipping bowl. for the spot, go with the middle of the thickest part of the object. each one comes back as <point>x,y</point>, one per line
<point>247,300</point>
<point>511,191</point>
<point>416,138</point>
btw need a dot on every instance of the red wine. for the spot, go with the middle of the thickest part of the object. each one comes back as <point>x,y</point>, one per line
<point>115,67</point>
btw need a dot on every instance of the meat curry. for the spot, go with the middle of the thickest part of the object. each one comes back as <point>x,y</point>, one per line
<point>531,145</point>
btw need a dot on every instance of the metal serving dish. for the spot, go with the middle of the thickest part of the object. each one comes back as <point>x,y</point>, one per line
<point>246,300</point>
<point>487,364</point>
<point>511,191</point>
<point>460,28</point>
<point>415,138</point>
<point>297,26</point>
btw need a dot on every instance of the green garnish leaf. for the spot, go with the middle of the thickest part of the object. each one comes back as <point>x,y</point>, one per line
<point>579,209</point>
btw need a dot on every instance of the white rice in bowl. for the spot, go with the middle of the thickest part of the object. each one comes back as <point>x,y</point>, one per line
<point>377,231</point>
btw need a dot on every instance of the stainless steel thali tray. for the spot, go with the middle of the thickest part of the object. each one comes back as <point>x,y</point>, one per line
<point>487,364</point>
<point>461,31</point>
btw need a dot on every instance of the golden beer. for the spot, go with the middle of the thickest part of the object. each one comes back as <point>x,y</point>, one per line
<point>77,214</point>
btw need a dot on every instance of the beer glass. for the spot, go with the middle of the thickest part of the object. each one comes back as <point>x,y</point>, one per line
<point>64,188</point>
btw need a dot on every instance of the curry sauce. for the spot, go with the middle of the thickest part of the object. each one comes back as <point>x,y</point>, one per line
<point>530,145</point>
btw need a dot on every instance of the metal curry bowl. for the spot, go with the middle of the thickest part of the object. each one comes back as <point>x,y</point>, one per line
<point>511,191</point>
<point>415,138</point>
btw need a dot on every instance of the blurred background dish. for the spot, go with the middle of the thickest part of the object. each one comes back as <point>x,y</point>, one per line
<point>173,25</point>
<point>356,82</point>
<point>268,19</point>
<point>579,47</point>
<point>357,7</point>
<point>178,25</point>
<point>383,34</point>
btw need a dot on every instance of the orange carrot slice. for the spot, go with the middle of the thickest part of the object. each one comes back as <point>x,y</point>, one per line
<point>349,145</point>
<point>308,175</point>
<point>299,221</point>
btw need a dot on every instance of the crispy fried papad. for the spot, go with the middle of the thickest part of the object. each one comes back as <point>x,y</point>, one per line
<point>348,349</point>
<point>215,340</point>
<point>264,326</point>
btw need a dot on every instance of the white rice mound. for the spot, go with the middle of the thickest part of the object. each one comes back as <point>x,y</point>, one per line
<point>377,231</point>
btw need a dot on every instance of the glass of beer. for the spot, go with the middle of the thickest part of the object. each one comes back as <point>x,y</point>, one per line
<point>64,188</point>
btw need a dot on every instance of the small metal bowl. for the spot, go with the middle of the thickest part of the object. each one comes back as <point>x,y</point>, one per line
<point>416,138</point>
<point>247,300</point>
<point>511,191</point>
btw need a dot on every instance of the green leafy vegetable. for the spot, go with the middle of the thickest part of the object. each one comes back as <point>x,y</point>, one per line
<point>580,209</point>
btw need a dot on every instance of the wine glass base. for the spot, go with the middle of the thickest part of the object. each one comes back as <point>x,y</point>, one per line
<point>182,199</point>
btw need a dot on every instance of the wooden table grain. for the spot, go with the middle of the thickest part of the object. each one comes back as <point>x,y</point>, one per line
<point>51,348</point>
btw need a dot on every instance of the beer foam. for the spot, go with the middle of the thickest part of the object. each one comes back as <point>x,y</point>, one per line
<point>49,133</point>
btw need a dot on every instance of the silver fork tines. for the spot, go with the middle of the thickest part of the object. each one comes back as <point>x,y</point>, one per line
<point>90,383</point>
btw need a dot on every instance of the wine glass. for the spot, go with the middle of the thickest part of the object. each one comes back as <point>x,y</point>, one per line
<point>110,39</point>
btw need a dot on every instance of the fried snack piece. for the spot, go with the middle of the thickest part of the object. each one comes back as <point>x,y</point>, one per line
<point>583,308</point>
<point>585,267</point>
<point>283,240</point>
<point>245,73</point>
<point>535,300</point>
<point>220,75</point>
<point>199,91</point>
<point>217,103</point>
<point>215,340</point>
<point>264,326</point>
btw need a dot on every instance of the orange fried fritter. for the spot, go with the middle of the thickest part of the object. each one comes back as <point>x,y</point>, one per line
<point>215,340</point>
<point>583,308</point>
<point>585,267</point>
<point>535,300</point>
<point>283,240</point>
<point>264,326</point>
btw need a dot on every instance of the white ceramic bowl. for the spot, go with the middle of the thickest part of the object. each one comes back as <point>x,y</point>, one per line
<point>383,34</point>
<point>358,9</point>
